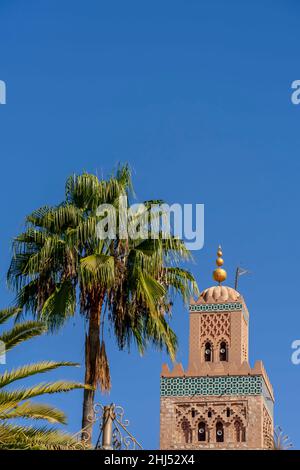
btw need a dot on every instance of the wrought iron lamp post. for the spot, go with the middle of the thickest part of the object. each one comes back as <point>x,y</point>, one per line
<point>114,433</point>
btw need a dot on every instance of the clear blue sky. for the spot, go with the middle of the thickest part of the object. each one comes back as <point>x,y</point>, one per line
<point>195,95</point>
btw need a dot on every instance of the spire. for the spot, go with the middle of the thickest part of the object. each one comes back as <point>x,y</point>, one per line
<point>219,274</point>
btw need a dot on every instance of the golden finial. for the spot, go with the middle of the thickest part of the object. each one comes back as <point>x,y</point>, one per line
<point>219,274</point>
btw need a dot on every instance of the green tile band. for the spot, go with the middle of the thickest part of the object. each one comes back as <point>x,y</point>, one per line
<point>215,307</point>
<point>229,385</point>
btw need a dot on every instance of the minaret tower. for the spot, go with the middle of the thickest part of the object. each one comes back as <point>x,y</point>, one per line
<point>219,402</point>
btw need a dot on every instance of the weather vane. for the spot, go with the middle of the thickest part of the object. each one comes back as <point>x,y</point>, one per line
<point>239,272</point>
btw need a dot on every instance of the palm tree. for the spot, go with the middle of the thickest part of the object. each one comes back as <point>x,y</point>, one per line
<point>17,404</point>
<point>59,262</point>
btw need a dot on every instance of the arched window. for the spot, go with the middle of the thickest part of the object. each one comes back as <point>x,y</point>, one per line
<point>219,432</point>
<point>223,351</point>
<point>228,412</point>
<point>208,352</point>
<point>186,430</point>
<point>240,432</point>
<point>202,431</point>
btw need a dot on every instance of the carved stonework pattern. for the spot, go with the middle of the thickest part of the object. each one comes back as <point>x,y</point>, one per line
<point>232,415</point>
<point>267,430</point>
<point>215,328</point>
<point>244,340</point>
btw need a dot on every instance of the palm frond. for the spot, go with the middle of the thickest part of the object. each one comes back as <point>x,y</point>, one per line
<point>182,281</point>
<point>22,332</point>
<point>37,217</point>
<point>9,398</point>
<point>158,331</point>
<point>8,313</point>
<point>35,411</point>
<point>59,306</point>
<point>42,438</point>
<point>97,268</point>
<point>31,369</point>
<point>149,291</point>
<point>16,404</point>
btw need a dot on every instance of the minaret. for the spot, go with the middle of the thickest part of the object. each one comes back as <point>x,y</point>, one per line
<point>219,401</point>
<point>222,324</point>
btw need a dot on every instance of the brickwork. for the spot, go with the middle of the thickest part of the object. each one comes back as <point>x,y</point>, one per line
<point>216,326</point>
<point>240,416</point>
<point>244,340</point>
<point>267,429</point>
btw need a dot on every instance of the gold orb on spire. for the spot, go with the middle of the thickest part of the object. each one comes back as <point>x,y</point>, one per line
<point>219,274</point>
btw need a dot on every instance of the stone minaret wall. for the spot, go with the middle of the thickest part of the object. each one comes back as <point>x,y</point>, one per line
<point>217,391</point>
<point>179,419</point>
<point>230,326</point>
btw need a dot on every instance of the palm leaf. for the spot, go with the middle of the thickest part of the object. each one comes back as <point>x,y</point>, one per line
<point>8,313</point>
<point>182,281</point>
<point>32,369</point>
<point>35,411</point>
<point>60,305</point>
<point>149,291</point>
<point>97,269</point>
<point>43,438</point>
<point>22,332</point>
<point>8,398</point>
<point>14,404</point>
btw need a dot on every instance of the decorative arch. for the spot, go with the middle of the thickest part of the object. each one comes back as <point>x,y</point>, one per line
<point>202,431</point>
<point>223,349</point>
<point>220,431</point>
<point>208,351</point>
<point>239,431</point>
<point>186,430</point>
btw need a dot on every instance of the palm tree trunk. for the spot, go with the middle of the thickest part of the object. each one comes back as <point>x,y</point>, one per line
<point>92,350</point>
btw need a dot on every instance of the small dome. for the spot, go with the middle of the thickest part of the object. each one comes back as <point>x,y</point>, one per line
<point>219,294</point>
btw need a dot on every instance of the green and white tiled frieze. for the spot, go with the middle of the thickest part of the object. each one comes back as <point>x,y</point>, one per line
<point>225,307</point>
<point>228,385</point>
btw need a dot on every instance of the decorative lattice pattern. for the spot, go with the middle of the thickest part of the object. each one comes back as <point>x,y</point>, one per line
<point>216,307</point>
<point>188,417</point>
<point>229,385</point>
<point>267,430</point>
<point>244,340</point>
<point>215,326</point>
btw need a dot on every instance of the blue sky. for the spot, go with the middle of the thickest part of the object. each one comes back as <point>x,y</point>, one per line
<point>195,96</point>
